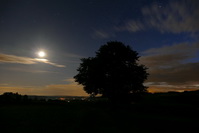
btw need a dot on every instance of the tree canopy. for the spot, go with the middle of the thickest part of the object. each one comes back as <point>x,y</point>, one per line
<point>114,72</point>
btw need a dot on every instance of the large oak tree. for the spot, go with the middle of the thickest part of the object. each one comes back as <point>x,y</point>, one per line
<point>114,72</point>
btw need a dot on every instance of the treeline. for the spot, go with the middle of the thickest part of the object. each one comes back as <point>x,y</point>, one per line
<point>10,97</point>
<point>186,97</point>
<point>190,97</point>
<point>16,98</point>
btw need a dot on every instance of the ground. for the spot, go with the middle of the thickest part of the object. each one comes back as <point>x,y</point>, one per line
<point>153,114</point>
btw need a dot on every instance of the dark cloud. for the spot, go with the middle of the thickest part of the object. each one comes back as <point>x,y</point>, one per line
<point>168,56</point>
<point>167,60</point>
<point>180,74</point>
<point>175,48</point>
<point>169,67</point>
<point>182,77</point>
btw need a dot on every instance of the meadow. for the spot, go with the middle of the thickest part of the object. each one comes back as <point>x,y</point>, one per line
<point>160,113</point>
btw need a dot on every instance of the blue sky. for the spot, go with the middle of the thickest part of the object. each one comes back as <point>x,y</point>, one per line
<point>164,32</point>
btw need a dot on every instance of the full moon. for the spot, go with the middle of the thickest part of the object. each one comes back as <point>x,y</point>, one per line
<point>41,53</point>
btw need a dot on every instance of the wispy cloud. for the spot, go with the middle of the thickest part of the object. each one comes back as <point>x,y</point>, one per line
<point>70,80</point>
<point>27,69</point>
<point>102,34</point>
<point>48,62</point>
<point>174,17</point>
<point>5,58</point>
<point>131,26</point>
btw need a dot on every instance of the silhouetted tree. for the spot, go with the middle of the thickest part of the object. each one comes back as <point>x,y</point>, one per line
<point>114,72</point>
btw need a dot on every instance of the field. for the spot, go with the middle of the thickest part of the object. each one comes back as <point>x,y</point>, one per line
<point>155,113</point>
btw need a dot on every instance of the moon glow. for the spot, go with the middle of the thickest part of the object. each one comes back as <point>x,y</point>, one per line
<point>41,54</point>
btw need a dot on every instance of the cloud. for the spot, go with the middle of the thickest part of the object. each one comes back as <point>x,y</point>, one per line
<point>3,84</point>
<point>70,80</point>
<point>175,48</point>
<point>167,60</point>
<point>168,56</point>
<point>102,34</point>
<point>165,87</point>
<point>181,77</point>
<point>5,58</point>
<point>174,17</point>
<point>66,89</point>
<point>168,88</point>
<point>131,26</point>
<point>70,89</point>
<point>171,68</point>
<point>180,74</point>
<point>48,62</point>
<point>20,89</point>
<point>26,69</point>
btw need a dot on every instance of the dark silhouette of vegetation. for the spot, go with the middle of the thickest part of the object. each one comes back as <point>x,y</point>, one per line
<point>10,98</point>
<point>159,112</point>
<point>16,98</point>
<point>114,72</point>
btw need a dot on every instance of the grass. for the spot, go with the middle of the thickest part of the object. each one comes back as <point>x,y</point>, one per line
<point>153,114</point>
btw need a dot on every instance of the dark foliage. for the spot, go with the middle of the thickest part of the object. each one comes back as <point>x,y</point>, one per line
<point>10,98</point>
<point>159,112</point>
<point>114,72</point>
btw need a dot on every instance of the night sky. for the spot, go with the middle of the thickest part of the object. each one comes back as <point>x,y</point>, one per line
<point>165,33</point>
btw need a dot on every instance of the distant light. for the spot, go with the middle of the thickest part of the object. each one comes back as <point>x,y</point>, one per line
<point>41,54</point>
<point>62,98</point>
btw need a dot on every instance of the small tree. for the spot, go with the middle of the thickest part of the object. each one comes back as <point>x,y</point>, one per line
<point>114,72</point>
